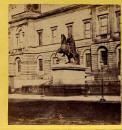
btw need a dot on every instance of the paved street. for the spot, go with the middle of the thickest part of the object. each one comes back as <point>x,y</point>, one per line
<point>71,110</point>
<point>89,98</point>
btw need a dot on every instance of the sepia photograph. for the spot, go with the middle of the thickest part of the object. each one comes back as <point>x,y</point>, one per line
<point>64,64</point>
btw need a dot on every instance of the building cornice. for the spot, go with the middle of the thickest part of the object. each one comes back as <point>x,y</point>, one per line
<point>49,13</point>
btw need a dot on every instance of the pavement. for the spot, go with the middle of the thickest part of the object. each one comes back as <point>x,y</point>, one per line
<point>89,98</point>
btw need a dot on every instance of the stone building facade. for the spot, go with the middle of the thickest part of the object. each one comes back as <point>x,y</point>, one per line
<point>35,34</point>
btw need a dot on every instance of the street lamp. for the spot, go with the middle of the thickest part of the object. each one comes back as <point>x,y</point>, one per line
<point>102,85</point>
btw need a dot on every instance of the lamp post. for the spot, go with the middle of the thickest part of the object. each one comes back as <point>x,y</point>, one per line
<point>102,85</point>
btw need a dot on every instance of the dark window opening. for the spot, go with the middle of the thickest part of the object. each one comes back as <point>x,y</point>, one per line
<point>40,64</point>
<point>18,62</point>
<point>40,36</point>
<point>88,60</point>
<point>104,57</point>
<point>19,66</point>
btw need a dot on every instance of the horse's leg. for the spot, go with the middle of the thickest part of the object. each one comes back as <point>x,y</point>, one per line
<point>76,58</point>
<point>60,51</point>
<point>77,61</point>
<point>69,59</point>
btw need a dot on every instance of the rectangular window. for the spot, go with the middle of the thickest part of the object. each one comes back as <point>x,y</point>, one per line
<point>54,34</point>
<point>87,31</point>
<point>69,29</point>
<point>40,36</point>
<point>40,64</point>
<point>103,24</point>
<point>88,60</point>
<point>118,20</point>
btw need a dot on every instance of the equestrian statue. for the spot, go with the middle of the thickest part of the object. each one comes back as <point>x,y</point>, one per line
<point>68,49</point>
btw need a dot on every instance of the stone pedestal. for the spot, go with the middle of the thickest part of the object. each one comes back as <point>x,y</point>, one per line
<point>68,74</point>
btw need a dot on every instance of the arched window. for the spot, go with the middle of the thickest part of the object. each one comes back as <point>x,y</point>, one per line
<point>102,57</point>
<point>39,64</point>
<point>118,56</point>
<point>18,65</point>
<point>20,36</point>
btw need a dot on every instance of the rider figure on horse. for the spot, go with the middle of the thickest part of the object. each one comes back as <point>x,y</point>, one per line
<point>68,48</point>
<point>72,47</point>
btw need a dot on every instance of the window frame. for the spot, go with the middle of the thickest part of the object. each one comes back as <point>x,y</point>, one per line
<point>69,29</point>
<point>40,37</point>
<point>101,17</point>
<point>20,33</point>
<point>53,31</point>
<point>87,21</point>
<point>86,64</point>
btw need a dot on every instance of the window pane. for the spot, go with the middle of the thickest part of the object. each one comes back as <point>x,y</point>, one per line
<point>104,21</point>
<point>104,30</point>
<point>87,26</point>
<point>87,34</point>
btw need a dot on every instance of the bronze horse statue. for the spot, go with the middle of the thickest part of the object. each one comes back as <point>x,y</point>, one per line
<point>68,48</point>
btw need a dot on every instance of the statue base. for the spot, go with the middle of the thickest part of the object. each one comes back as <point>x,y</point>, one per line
<point>68,74</point>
